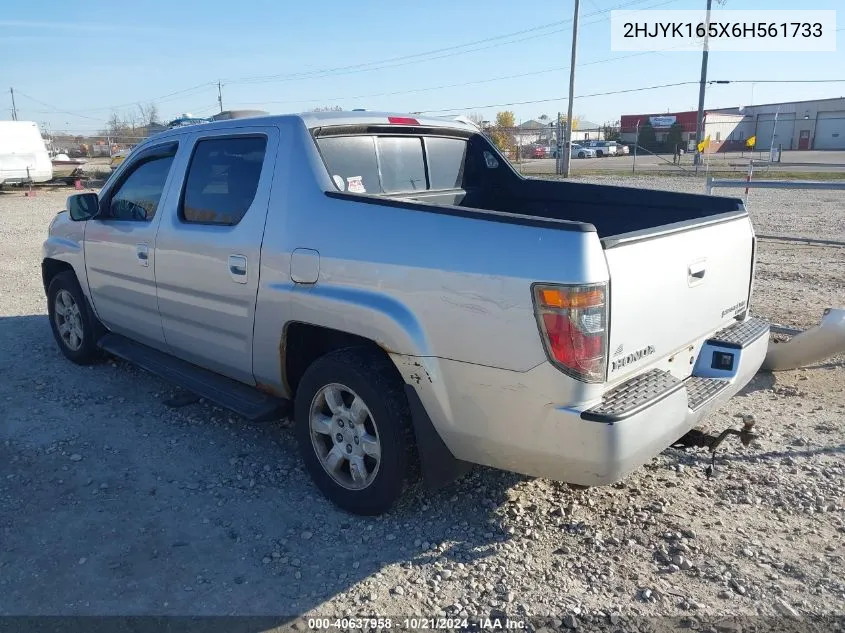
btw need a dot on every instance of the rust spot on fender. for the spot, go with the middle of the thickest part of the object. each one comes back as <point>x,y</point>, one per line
<point>410,361</point>
<point>269,389</point>
<point>283,359</point>
<point>384,346</point>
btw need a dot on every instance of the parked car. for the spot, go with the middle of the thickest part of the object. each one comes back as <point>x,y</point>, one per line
<point>23,154</point>
<point>544,151</point>
<point>622,149</point>
<point>603,148</point>
<point>118,158</point>
<point>410,297</point>
<point>581,151</point>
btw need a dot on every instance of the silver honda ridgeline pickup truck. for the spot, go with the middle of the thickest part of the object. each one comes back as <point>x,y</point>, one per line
<point>411,300</point>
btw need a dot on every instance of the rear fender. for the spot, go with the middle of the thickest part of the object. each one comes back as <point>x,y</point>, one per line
<point>390,325</point>
<point>396,330</point>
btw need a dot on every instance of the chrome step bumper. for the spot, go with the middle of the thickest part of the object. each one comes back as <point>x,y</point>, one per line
<point>645,390</point>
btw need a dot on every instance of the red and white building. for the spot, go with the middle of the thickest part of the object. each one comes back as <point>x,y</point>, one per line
<point>727,131</point>
<point>817,124</point>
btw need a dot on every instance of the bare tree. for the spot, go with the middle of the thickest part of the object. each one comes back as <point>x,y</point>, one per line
<point>477,118</point>
<point>149,113</point>
<point>334,108</point>
<point>123,130</point>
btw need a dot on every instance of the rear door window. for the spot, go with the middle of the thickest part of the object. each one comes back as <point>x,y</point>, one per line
<point>445,161</point>
<point>402,165</point>
<point>352,162</point>
<point>222,179</point>
<point>393,164</point>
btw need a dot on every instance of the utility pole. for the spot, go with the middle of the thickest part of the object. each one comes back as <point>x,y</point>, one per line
<point>14,109</point>
<point>699,128</point>
<point>567,147</point>
<point>220,95</point>
<point>558,145</point>
<point>636,143</point>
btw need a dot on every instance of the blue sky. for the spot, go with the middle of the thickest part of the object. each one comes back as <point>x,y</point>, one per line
<point>88,58</point>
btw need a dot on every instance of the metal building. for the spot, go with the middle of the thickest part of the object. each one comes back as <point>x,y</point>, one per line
<point>814,124</point>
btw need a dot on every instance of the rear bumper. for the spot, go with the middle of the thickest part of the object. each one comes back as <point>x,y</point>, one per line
<point>510,423</point>
<point>640,418</point>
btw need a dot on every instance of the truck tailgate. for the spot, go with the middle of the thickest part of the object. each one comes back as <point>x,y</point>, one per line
<point>672,290</point>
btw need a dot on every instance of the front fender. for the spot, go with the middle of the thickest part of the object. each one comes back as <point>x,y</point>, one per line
<point>65,243</point>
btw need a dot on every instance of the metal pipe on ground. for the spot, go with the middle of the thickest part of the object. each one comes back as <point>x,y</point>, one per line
<point>810,346</point>
<point>773,184</point>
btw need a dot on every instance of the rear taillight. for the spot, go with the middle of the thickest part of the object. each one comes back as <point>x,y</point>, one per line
<point>573,324</point>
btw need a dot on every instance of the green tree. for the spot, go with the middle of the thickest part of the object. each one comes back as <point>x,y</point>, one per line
<point>647,138</point>
<point>611,131</point>
<point>675,136</point>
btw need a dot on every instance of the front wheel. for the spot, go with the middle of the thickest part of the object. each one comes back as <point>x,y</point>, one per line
<point>353,427</point>
<point>74,326</point>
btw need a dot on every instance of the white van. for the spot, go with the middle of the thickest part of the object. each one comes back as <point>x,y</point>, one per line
<point>23,154</point>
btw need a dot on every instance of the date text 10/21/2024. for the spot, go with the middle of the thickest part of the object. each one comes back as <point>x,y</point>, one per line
<point>417,624</point>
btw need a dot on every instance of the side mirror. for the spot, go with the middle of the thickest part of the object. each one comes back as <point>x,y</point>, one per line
<point>83,206</point>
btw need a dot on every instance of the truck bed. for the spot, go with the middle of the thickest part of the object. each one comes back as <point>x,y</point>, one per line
<point>613,211</point>
<point>485,183</point>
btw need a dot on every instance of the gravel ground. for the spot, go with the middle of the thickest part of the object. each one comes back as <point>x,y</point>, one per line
<point>112,503</point>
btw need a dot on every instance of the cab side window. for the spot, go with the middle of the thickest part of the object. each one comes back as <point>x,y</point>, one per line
<point>222,179</point>
<point>138,196</point>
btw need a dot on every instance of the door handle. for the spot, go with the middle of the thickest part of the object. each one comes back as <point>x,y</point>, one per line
<point>142,252</point>
<point>238,269</point>
<point>696,271</point>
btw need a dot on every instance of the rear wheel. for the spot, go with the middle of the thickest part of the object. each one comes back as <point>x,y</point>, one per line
<point>353,427</point>
<point>74,326</point>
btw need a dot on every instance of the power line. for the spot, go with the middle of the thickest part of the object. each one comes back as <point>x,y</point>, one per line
<point>629,90</point>
<point>409,59</point>
<point>413,58</point>
<point>75,112</point>
<point>778,81</point>
<point>55,108</point>
<point>564,98</point>
<point>445,86</point>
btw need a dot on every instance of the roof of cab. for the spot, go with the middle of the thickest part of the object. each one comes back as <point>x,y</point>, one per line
<point>326,119</point>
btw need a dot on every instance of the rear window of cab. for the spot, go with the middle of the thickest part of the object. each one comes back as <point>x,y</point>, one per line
<point>381,164</point>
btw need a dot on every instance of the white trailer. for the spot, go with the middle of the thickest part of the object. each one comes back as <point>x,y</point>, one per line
<point>23,154</point>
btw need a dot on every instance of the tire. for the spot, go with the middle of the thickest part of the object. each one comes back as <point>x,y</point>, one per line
<point>74,325</point>
<point>599,153</point>
<point>581,155</point>
<point>334,441</point>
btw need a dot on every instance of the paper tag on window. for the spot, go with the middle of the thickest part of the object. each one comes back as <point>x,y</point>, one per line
<point>355,184</point>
